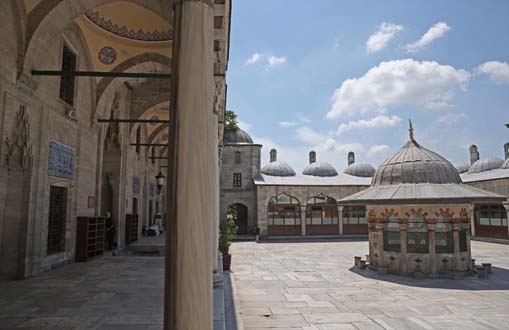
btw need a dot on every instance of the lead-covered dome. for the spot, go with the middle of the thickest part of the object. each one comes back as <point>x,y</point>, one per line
<point>320,169</point>
<point>237,136</point>
<point>486,164</point>
<point>361,170</point>
<point>462,168</point>
<point>415,164</point>
<point>315,168</point>
<point>277,168</point>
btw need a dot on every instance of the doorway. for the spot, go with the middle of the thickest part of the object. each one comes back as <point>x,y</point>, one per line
<point>239,213</point>
<point>57,220</point>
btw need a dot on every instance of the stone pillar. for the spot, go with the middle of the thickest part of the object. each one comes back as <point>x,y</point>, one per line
<point>188,263</point>
<point>506,206</point>
<point>214,141</point>
<point>471,213</point>
<point>456,226</point>
<point>403,231</point>
<point>378,244</point>
<point>432,247</point>
<point>340,220</point>
<point>303,220</point>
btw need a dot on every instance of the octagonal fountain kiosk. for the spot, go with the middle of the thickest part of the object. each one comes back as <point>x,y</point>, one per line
<point>419,214</point>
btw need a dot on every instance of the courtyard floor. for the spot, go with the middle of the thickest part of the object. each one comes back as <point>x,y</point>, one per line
<point>309,285</point>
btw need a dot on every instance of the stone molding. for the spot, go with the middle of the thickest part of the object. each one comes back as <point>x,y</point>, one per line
<point>124,32</point>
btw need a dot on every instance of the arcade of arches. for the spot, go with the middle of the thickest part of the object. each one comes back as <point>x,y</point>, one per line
<point>75,147</point>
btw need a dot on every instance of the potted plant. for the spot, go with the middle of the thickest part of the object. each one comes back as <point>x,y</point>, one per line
<point>226,231</point>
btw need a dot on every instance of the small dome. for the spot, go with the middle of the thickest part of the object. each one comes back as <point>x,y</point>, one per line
<point>238,136</point>
<point>320,169</point>
<point>505,165</point>
<point>277,168</point>
<point>362,170</point>
<point>486,164</point>
<point>462,168</point>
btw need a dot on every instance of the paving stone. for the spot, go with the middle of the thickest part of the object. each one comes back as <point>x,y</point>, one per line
<point>315,279</point>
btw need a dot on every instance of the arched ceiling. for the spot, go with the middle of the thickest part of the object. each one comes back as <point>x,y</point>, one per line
<point>115,33</point>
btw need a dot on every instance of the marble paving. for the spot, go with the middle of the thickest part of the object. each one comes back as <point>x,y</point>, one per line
<point>309,286</point>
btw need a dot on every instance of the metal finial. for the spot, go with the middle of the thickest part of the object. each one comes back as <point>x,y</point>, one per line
<point>411,130</point>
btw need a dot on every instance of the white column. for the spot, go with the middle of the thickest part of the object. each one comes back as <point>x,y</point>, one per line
<point>303,220</point>
<point>506,206</point>
<point>471,213</point>
<point>340,219</point>
<point>188,277</point>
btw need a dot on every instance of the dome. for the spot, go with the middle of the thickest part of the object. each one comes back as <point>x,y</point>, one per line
<point>362,170</point>
<point>415,164</point>
<point>486,164</point>
<point>277,168</point>
<point>238,136</point>
<point>320,169</point>
<point>506,165</point>
<point>462,168</point>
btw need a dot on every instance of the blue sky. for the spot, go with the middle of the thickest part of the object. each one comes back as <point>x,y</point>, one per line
<point>334,76</point>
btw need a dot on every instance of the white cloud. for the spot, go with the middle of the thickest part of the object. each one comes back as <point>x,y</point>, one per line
<point>376,122</point>
<point>451,118</point>
<point>497,71</point>
<point>378,149</point>
<point>255,58</point>
<point>381,38</point>
<point>309,136</point>
<point>275,61</point>
<point>270,60</point>
<point>397,83</point>
<point>286,124</point>
<point>435,32</point>
<point>244,126</point>
<point>303,119</point>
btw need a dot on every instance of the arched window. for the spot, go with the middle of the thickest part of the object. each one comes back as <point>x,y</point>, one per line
<point>283,210</point>
<point>417,234</point>
<point>321,210</point>
<point>392,236</point>
<point>443,235</point>
<point>237,157</point>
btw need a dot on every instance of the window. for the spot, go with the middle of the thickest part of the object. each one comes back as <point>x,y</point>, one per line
<point>138,139</point>
<point>67,82</point>
<point>354,215</point>
<point>153,155</point>
<point>218,22</point>
<point>135,205</point>
<point>491,215</point>
<point>57,220</point>
<point>237,179</point>
<point>237,157</point>
<point>283,210</point>
<point>321,210</point>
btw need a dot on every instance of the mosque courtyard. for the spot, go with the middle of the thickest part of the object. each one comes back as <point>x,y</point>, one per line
<point>305,284</point>
<point>310,285</point>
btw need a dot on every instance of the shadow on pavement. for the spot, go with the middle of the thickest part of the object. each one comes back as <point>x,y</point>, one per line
<point>497,280</point>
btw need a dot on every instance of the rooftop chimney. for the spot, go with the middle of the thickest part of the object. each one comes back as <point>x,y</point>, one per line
<point>506,150</point>
<point>474,154</point>
<point>273,155</point>
<point>312,157</point>
<point>351,158</point>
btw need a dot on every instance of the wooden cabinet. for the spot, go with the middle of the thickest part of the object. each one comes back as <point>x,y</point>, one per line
<point>131,228</point>
<point>89,238</point>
